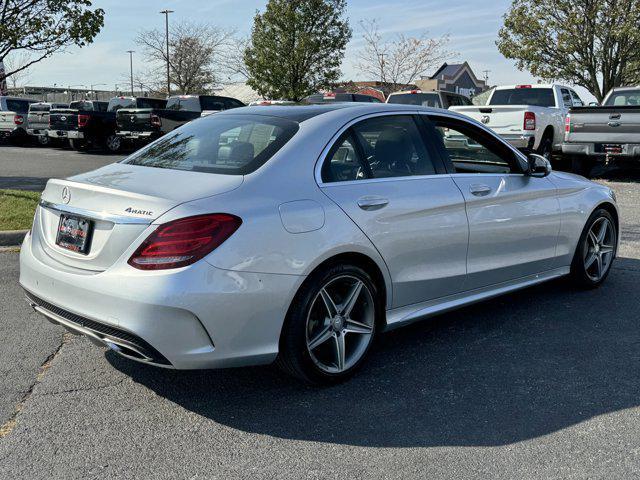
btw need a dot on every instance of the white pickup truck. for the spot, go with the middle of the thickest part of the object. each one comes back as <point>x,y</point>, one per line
<point>529,117</point>
<point>13,117</point>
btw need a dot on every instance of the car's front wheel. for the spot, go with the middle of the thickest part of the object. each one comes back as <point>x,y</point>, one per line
<point>331,325</point>
<point>596,250</point>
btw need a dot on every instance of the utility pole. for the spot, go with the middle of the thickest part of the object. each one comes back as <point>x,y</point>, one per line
<point>486,76</point>
<point>130,52</point>
<point>166,16</point>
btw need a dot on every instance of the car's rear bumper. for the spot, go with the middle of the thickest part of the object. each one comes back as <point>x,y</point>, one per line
<point>73,134</point>
<point>11,132</point>
<point>37,132</point>
<point>525,141</point>
<point>132,135</point>
<point>628,150</point>
<point>190,318</point>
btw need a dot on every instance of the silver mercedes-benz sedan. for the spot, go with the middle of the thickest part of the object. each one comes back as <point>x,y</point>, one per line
<point>299,233</point>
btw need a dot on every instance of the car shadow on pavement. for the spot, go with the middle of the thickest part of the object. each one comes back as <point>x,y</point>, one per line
<point>37,184</point>
<point>510,369</point>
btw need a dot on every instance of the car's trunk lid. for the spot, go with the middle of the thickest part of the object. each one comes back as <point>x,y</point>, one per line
<point>120,201</point>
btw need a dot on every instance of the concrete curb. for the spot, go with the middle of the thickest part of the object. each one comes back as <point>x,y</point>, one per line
<point>12,238</point>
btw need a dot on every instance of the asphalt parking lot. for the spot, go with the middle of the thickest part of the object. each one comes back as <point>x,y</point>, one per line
<point>543,383</point>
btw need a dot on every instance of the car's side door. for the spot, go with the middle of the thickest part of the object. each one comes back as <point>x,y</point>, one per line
<point>391,184</point>
<point>514,218</point>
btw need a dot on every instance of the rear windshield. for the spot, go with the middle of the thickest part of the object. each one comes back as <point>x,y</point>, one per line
<point>39,107</point>
<point>538,97</point>
<point>624,99</point>
<point>21,106</point>
<point>226,144</point>
<point>424,99</point>
<point>81,106</point>
<point>116,104</point>
<point>189,104</point>
<point>156,103</point>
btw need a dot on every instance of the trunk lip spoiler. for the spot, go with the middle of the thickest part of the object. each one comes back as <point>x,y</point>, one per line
<point>108,217</point>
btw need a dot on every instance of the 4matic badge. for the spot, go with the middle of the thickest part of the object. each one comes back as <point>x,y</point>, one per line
<point>138,212</point>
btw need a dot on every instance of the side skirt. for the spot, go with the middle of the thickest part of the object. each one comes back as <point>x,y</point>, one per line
<point>399,317</point>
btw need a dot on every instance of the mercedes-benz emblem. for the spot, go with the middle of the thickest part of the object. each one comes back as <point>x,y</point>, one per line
<point>485,119</point>
<point>66,195</point>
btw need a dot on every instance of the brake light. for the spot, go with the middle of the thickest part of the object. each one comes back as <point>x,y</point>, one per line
<point>83,120</point>
<point>155,121</point>
<point>567,124</point>
<point>18,119</point>
<point>529,121</point>
<point>523,86</point>
<point>185,241</point>
<point>414,91</point>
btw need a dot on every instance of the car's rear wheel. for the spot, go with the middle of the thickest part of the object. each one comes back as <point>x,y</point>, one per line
<point>331,325</point>
<point>596,250</point>
<point>546,147</point>
<point>113,143</point>
<point>44,140</point>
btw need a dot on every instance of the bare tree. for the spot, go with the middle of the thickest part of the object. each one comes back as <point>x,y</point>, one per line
<point>15,62</point>
<point>402,59</point>
<point>234,66</point>
<point>196,53</point>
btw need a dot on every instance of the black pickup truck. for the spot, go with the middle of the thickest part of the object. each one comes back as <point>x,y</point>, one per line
<point>138,120</point>
<point>184,108</point>
<point>91,123</point>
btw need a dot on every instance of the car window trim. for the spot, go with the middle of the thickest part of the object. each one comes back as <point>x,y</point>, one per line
<point>324,156</point>
<point>494,137</point>
<point>360,155</point>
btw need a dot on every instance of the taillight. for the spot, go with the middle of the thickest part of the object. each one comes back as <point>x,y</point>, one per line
<point>18,119</point>
<point>155,121</point>
<point>185,241</point>
<point>529,121</point>
<point>83,120</point>
<point>567,124</point>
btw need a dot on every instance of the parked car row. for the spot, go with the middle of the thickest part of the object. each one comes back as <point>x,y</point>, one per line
<point>109,125</point>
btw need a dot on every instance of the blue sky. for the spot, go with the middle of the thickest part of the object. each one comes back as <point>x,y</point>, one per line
<point>473,27</point>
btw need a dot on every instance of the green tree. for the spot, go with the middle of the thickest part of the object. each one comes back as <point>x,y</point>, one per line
<point>42,27</point>
<point>297,47</point>
<point>591,43</point>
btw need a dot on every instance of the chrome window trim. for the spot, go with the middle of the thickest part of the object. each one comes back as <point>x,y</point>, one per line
<point>444,113</point>
<point>107,217</point>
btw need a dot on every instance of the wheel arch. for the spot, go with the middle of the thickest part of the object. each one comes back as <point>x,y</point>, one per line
<point>611,208</point>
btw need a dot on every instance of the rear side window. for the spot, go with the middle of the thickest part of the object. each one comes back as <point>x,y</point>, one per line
<point>577,101</point>
<point>539,97</point>
<point>21,106</point>
<point>422,99</point>
<point>566,98</point>
<point>379,147</point>
<point>224,144</point>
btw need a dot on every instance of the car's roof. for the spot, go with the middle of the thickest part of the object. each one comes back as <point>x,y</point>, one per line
<point>301,113</point>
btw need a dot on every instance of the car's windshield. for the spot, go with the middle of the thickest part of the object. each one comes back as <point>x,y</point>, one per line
<point>227,144</point>
<point>539,97</point>
<point>624,99</point>
<point>424,99</point>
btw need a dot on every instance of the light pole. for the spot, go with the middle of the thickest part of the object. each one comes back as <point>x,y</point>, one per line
<point>130,52</point>
<point>166,17</point>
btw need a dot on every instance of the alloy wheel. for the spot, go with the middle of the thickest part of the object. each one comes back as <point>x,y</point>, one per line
<point>599,248</point>
<point>113,143</point>
<point>340,324</point>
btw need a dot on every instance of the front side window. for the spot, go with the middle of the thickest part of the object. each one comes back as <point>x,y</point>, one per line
<point>224,144</point>
<point>468,149</point>
<point>379,147</point>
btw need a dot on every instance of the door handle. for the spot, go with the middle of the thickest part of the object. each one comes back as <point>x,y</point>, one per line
<point>372,203</point>
<point>480,190</point>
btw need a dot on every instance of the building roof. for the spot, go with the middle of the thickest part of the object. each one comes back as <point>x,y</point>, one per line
<point>447,70</point>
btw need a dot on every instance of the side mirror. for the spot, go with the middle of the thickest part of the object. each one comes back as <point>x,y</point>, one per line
<point>538,166</point>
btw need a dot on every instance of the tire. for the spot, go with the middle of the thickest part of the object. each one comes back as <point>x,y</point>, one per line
<point>78,145</point>
<point>307,322</point>
<point>113,143</point>
<point>585,276</point>
<point>44,141</point>
<point>582,165</point>
<point>545,148</point>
